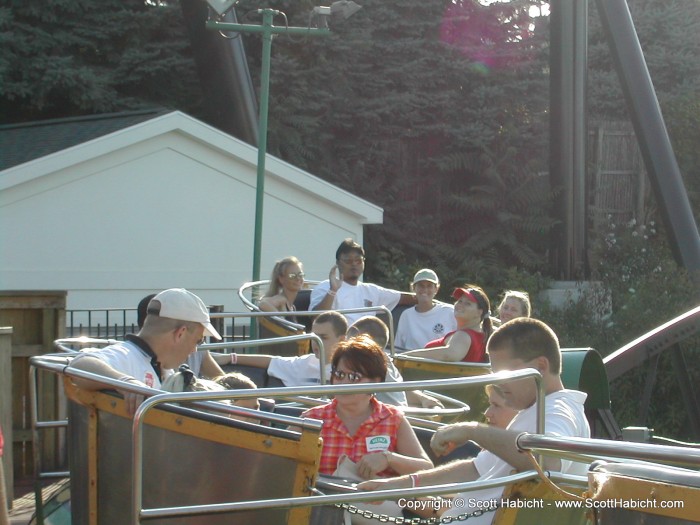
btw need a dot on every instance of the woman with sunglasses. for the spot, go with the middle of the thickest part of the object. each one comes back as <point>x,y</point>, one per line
<point>286,281</point>
<point>468,342</point>
<point>375,436</point>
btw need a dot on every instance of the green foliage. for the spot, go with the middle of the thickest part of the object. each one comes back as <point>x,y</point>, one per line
<point>646,288</point>
<point>71,57</point>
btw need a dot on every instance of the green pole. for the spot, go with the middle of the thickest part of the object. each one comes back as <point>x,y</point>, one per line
<point>266,30</point>
<point>268,15</point>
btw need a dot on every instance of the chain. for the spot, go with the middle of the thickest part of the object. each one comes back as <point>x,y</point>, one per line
<point>383,518</point>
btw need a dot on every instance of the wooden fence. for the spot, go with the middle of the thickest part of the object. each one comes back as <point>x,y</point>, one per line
<point>33,320</point>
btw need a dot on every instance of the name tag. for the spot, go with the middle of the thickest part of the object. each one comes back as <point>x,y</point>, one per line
<point>377,443</point>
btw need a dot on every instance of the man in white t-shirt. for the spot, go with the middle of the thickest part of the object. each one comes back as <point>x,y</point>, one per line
<point>303,370</point>
<point>429,319</point>
<point>344,290</point>
<point>518,344</point>
<point>176,323</point>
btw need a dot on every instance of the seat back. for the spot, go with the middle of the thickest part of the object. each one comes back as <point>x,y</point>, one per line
<point>271,327</point>
<point>663,494</point>
<point>583,369</point>
<point>534,503</point>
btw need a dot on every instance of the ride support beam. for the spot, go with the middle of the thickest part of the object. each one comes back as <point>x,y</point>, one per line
<point>568,135</point>
<point>654,142</point>
<point>229,96</point>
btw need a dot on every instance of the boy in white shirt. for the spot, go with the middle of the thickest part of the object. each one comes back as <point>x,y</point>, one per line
<point>429,319</point>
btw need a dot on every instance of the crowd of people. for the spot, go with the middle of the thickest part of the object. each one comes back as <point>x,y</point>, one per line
<point>369,431</point>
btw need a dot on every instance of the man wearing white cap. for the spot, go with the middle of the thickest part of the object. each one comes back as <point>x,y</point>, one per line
<point>176,323</point>
<point>429,319</point>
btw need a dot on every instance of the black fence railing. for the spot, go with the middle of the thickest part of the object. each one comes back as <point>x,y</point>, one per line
<point>115,323</point>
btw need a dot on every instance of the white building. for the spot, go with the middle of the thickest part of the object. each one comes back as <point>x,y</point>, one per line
<point>166,202</point>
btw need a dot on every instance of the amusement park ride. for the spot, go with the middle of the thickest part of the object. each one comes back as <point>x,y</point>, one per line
<point>184,458</point>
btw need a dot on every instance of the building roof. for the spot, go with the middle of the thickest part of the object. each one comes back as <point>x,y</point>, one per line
<point>90,137</point>
<point>23,142</point>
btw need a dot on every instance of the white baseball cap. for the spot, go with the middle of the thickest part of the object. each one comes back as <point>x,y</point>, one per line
<point>426,274</point>
<point>183,305</point>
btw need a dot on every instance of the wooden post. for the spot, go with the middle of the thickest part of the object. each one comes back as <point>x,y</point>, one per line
<point>37,318</point>
<point>6,410</point>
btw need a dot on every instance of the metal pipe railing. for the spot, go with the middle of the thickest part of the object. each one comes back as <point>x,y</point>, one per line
<point>208,400</point>
<point>312,313</point>
<point>586,448</point>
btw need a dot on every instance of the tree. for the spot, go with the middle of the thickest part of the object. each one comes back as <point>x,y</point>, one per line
<point>404,105</point>
<point>73,57</point>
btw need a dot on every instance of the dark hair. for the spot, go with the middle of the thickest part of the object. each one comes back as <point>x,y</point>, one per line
<point>363,355</point>
<point>373,327</point>
<point>142,309</point>
<point>483,303</point>
<point>527,339</point>
<point>337,320</point>
<point>349,246</point>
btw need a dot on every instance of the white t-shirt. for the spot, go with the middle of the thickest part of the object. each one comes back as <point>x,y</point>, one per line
<point>564,416</point>
<point>305,370</point>
<point>129,358</point>
<point>302,370</point>
<point>416,329</point>
<point>358,296</point>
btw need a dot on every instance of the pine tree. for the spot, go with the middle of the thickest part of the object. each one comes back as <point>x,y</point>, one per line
<point>72,57</point>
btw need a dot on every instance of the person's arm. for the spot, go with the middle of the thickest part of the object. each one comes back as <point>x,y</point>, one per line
<point>455,350</point>
<point>95,365</point>
<point>418,398</point>
<point>254,360</point>
<point>459,471</point>
<point>497,440</point>
<point>408,298</point>
<point>334,284</point>
<point>210,368</point>
<point>409,456</point>
<point>269,304</point>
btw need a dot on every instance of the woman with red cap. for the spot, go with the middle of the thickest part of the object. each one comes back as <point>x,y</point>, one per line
<point>468,342</point>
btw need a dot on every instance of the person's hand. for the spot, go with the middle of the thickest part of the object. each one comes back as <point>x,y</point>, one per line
<point>132,399</point>
<point>449,437</point>
<point>335,278</point>
<point>385,484</point>
<point>371,464</point>
<point>427,401</point>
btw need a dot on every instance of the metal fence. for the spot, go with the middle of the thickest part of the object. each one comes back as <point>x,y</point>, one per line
<point>115,323</point>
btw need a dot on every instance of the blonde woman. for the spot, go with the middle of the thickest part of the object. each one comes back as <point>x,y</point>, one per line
<point>514,304</point>
<point>286,281</point>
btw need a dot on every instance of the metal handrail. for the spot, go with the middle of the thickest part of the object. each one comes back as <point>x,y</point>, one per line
<point>459,364</point>
<point>586,448</point>
<point>273,341</point>
<point>37,447</point>
<point>309,313</point>
<point>365,388</point>
<point>207,399</point>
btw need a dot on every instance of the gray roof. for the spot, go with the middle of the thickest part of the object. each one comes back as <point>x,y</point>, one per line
<point>20,143</point>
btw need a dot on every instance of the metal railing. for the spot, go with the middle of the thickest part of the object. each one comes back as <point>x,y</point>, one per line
<point>58,364</point>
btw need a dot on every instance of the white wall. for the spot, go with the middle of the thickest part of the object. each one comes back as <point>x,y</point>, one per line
<point>167,211</point>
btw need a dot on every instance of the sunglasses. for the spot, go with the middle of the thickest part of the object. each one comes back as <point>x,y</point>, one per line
<point>353,377</point>
<point>299,275</point>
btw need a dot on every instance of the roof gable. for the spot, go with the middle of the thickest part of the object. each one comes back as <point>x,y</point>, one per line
<point>145,126</point>
<point>20,143</point>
